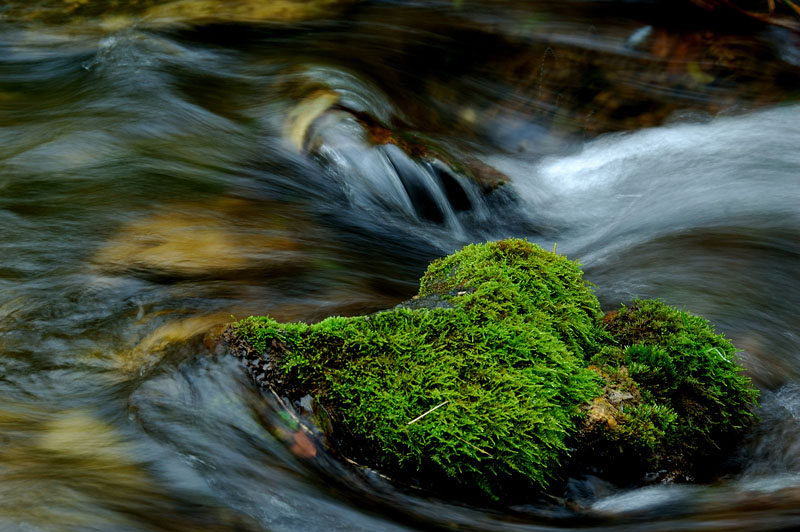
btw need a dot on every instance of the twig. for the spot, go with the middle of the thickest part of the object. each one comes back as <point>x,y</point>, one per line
<point>717,351</point>
<point>474,447</point>
<point>292,414</point>
<point>378,473</point>
<point>793,6</point>
<point>428,412</point>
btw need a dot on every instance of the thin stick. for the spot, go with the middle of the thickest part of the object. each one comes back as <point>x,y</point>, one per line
<point>428,412</point>
<point>390,479</point>
<point>717,351</point>
<point>792,5</point>
<point>474,447</point>
<point>292,414</point>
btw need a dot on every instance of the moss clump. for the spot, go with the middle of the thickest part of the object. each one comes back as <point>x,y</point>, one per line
<point>690,394</point>
<point>496,366</point>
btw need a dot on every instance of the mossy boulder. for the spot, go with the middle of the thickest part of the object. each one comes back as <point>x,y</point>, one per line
<point>496,368</point>
<point>680,395</point>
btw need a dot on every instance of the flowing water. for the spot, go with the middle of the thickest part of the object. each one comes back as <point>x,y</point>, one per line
<point>168,165</point>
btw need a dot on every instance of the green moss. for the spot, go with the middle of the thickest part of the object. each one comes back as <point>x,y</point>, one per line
<point>485,375</point>
<point>505,352</point>
<point>513,277</point>
<point>683,367</point>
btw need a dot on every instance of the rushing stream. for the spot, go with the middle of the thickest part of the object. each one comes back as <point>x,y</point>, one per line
<point>169,165</point>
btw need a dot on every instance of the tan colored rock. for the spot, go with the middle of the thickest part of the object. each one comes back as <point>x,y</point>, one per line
<point>603,412</point>
<point>197,240</point>
<point>76,461</point>
<point>117,15</point>
<point>607,411</point>
<point>150,350</point>
<point>300,118</point>
<point>206,11</point>
<point>80,435</point>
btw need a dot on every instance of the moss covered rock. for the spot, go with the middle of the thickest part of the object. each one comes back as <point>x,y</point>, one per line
<point>681,397</point>
<point>498,365</point>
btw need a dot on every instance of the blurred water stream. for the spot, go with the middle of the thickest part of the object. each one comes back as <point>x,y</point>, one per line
<point>167,165</point>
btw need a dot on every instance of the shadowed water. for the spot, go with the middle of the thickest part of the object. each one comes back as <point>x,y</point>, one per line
<point>169,165</point>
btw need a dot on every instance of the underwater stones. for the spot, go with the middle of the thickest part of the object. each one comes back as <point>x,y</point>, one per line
<point>58,463</point>
<point>151,349</point>
<point>243,11</point>
<point>174,12</point>
<point>222,238</point>
<point>503,374</point>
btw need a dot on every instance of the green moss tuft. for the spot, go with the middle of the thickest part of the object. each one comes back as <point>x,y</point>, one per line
<point>514,277</point>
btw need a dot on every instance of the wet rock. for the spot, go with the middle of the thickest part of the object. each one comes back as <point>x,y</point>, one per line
<point>218,239</point>
<point>172,12</point>
<point>304,114</point>
<point>456,195</point>
<point>150,349</point>
<point>444,166</point>
<point>239,11</point>
<point>92,476</point>
<point>417,184</point>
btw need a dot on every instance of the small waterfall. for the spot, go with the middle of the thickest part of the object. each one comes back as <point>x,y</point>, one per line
<point>381,178</point>
<point>424,187</point>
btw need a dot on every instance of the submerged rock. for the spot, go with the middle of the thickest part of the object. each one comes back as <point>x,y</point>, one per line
<point>152,348</point>
<point>170,12</point>
<point>502,363</point>
<point>195,11</point>
<point>217,239</point>
<point>78,460</point>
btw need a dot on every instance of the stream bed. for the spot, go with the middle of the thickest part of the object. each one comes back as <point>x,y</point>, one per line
<point>167,166</point>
